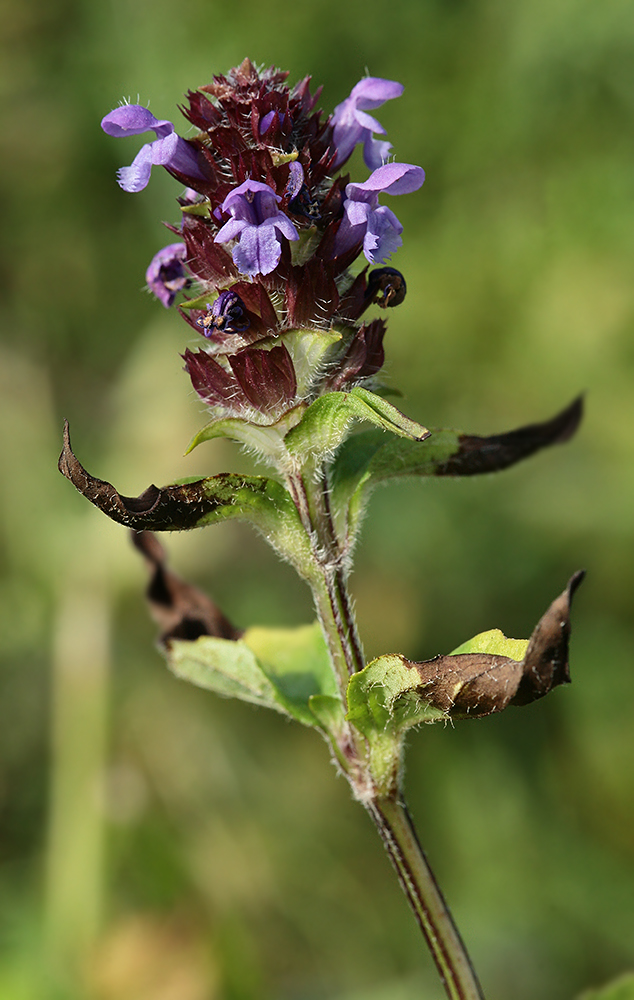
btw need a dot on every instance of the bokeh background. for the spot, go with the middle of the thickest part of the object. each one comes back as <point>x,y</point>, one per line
<point>157,843</point>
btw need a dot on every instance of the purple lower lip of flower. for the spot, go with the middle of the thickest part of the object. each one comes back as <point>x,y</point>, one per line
<point>226,315</point>
<point>258,225</point>
<point>351,123</point>
<point>374,225</point>
<point>168,149</point>
<point>166,275</point>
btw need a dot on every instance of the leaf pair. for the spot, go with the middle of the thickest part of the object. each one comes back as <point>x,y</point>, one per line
<point>314,432</point>
<point>289,670</point>
<point>362,462</point>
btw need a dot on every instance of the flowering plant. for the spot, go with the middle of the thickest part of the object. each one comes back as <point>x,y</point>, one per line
<point>267,266</point>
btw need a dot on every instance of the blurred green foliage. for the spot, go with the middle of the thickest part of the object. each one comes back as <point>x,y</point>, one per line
<point>157,843</point>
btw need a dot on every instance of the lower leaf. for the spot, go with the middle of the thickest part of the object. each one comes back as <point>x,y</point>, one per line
<point>392,693</point>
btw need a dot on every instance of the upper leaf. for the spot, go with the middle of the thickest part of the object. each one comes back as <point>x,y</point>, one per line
<point>367,459</point>
<point>326,422</point>
<point>264,502</point>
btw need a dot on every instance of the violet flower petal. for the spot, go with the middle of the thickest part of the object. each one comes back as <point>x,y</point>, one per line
<point>383,235</point>
<point>365,220</point>
<point>373,91</point>
<point>168,149</point>
<point>166,275</point>
<point>368,123</point>
<point>258,224</point>
<point>258,251</point>
<point>391,178</point>
<point>267,120</point>
<point>133,119</point>
<point>375,151</point>
<point>231,230</point>
<point>352,125</point>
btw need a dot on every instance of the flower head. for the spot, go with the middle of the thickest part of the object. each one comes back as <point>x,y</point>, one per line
<point>270,229</point>
<point>368,222</point>
<point>352,123</point>
<point>166,275</point>
<point>168,149</point>
<point>258,225</point>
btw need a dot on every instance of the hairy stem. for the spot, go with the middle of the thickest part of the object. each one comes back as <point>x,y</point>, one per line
<point>395,826</point>
<point>388,812</point>
<point>310,494</point>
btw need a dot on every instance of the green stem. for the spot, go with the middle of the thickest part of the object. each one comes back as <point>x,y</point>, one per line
<point>389,813</point>
<point>310,494</point>
<point>417,880</point>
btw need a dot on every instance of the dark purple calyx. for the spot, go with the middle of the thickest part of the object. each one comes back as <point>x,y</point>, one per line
<point>254,379</point>
<point>363,357</point>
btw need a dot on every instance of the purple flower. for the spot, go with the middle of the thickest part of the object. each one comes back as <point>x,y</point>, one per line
<point>258,224</point>
<point>352,124</point>
<point>168,149</point>
<point>227,314</point>
<point>365,220</point>
<point>166,275</point>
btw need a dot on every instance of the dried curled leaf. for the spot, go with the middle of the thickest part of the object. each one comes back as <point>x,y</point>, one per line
<point>262,501</point>
<point>181,610</point>
<point>171,508</point>
<point>394,692</point>
<point>472,684</point>
<point>476,455</point>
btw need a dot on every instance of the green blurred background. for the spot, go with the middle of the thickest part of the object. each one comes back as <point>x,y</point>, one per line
<point>157,843</point>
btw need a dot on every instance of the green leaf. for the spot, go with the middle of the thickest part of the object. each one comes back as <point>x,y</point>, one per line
<point>327,421</point>
<point>328,711</point>
<point>384,700</point>
<point>287,670</point>
<point>619,989</point>
<point>386,695</point>
<point>297,663</point>
<point>367,459</point>
<point>266,440</point>
<point>495,642</point>
<point>227,667</point>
